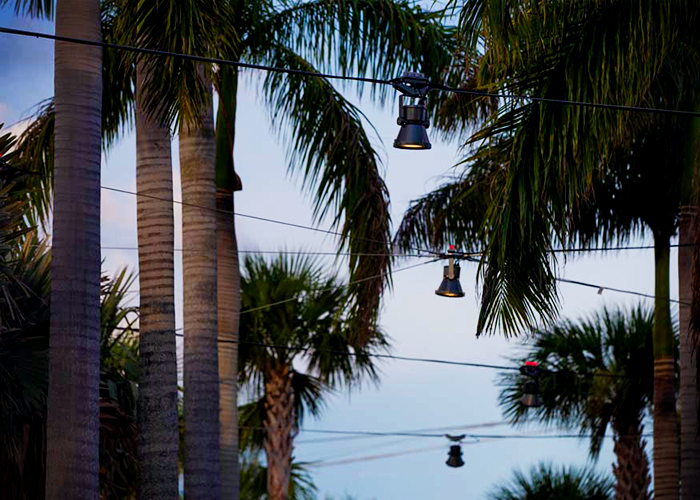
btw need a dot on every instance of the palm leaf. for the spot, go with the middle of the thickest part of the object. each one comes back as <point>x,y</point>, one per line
<point>33,8</point>
<point>176,90</point>
<point>377,38</point>
<point>331,147</point>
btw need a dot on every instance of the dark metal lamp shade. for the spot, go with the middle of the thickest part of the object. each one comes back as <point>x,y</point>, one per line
<point>454,458</point>
<point>531,395</point>
<point>413,119</point>
<point>450,286</point>
<point>412,136</point>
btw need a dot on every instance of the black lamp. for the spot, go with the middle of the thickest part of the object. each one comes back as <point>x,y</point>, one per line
<point>413,118</point>
<point>413,112</point>
<point>531,390</point>
<point>454,457</point>
<point>531,395</point>
<point>450,286</point>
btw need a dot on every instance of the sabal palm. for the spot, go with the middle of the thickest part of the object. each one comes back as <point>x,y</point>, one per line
<point>599,374</point>
<point>546,482</point>
<point>302,330</point>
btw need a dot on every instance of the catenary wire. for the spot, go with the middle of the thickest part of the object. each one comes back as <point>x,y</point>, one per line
<point>431,253</point>
<point>247,216</point>
<point>239,64</point>
<point>442,435</point>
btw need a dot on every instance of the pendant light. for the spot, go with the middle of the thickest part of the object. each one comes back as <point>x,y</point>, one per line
<point>450,286</point>
<point>531,389</point>
<point>413,112</point>
<point>531,395</point>
<point>454,456</point>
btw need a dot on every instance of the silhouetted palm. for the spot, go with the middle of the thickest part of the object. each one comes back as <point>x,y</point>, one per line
<point>599,375</point>
<point>315,331</point>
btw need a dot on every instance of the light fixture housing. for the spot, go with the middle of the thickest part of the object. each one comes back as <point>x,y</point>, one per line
<point>531,390</point>
<point>450,286</point>
<point>454,457</point>
<point>531,395</point>
<point>413,111</point>
<point>413,119</point>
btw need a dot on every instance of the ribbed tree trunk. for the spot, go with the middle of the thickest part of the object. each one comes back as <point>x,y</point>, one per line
<point>690,441</point>
<point>666,445</point>
<point>197,146</point>
<point>279,431</point>
<point>157,403</point>
<point>632,475</point>
<point>72,457</point>
<point>228,283</point>
<point>689,292</point>
<point>229,306</point>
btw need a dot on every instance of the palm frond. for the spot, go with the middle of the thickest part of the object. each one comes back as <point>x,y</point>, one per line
<point>330,146</point>
<point>176,90</point>
<point>253,477</point>
<point>377,38</point>
<point>545,481</point>
<point>35,152</point>
<point>555,152</point>
<point>118,80</point>
<point>33,8</point>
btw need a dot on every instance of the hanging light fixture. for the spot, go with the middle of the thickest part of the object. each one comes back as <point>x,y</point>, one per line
<point>531,395</point>
<point>531,389</point>
<point>454,456</point>
<point>413,111</point>
<point>450,286</point>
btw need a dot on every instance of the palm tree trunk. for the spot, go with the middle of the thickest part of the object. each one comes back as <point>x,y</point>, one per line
<point>197,148</point>
<point>666,446</point>
<point>228,284</point>
<point>157,395</point>
<point>690,441</point>
<point>228,297</point>
<point>632,476</point>
<point>72,457</point>
<point>687,325</point>
<point>279,431</point>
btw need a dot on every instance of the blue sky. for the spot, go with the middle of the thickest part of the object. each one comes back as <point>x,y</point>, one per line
<point>411,395</point>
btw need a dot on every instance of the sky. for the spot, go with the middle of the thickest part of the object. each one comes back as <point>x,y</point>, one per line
<point>410,396</point>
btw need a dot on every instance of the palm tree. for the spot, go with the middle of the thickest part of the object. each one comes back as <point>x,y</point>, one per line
<point>158,443</point>
<point>72,461</point>
<point>599,374</point>
<point>618,210</point>
<point>271,339</point>
<point>24,334</point>
<point>555,51</point>
<point>547,483</point>
<point>332,147</point>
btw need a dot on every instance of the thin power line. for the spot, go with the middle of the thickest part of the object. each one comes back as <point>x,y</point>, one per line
<point>238,214</point>
<point>370,355</point>
<point>452,429</point>
<point>620,290</point>
<point>398,358</point>
<point>467,255</point>
<point>239,64</point>
<point>441,436</point>
<point>296,252</point>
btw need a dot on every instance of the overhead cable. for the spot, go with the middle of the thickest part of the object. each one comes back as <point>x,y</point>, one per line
<point>442,435</point>
<point>433,86</point>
